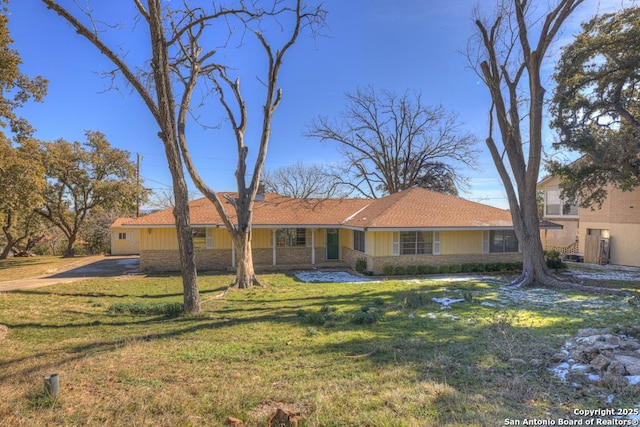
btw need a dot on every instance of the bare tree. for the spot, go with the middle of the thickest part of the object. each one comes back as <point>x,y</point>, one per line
<point>188,44</point>
<point>303,181</point>
<point>393,142</point>
<point>512,48</point>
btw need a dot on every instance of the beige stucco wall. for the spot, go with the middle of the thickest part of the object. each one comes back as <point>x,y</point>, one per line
<point>561,238</point>
<point>129,246</point>
<point>624,241</point>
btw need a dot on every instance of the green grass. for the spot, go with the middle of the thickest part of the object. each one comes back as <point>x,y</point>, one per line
<point>377,354</point>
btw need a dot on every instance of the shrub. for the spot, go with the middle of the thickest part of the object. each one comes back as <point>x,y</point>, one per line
<point>325,314</point>
<point>412,270</point>
<point>443,269</point>
<point>423,269</point>
<point>466,268</point>
<point>413,299</point>
<point>553,260</point>
<point>492,266</point>
<point>361,265</point>
<point>388,270</point>
<point>147,309</point>
<point>399,270</point>
<point>368,315</point>
<point>478,268</point>
<point>455,268</point>
<point>433,269</point>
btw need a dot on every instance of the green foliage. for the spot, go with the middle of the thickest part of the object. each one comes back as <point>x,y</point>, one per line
<point>596,108</point>
<point>169,309</point>
<point>368,315</point>
<point>388,270</point>
<point>82,178</point>
<point>361,265</point>
<point>553,260</point>
<point>411,300</point>
<point>455,268</point>
<point>412,270</point>
<point>444,269</point>
<point>327,313</point>
<point>399,270</point>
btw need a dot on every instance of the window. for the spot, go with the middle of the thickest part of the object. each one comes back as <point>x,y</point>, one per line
<point>555,205</point>
<point>503,241</point>
<point>358,240</point>
<point>291,237</point>
<point>122,236</point>
<point>199,237</point>
<point>416,242</point>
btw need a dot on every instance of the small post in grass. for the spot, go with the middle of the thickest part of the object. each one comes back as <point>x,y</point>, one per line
<point>52,385</point>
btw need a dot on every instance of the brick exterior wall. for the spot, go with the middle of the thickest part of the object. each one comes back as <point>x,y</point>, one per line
<point>220,259</point>
<point>169,260</point>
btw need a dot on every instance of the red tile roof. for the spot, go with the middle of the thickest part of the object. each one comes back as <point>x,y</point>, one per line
<point>412,208</point>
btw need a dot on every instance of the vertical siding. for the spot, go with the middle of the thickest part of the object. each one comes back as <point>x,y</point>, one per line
<point>379,243</point>
<point>261,238</point>
<point>221,238</point>
<point>460,242</point>
<point>346,238</point>
<point>158,238</point>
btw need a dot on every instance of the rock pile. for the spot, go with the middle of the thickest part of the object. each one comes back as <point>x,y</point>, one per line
<point>596,354</point>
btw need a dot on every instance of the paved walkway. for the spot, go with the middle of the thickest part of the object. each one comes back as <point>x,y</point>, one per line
<point>96,266</point>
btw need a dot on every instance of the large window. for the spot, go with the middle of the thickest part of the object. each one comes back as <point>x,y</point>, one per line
<point>358,240</point>
<point>416,242</point>
<point>555,205</point>
<point>291,237</point>
<point>503,241</point>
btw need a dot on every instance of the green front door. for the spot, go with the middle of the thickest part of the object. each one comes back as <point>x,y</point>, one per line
<point>333,244</point>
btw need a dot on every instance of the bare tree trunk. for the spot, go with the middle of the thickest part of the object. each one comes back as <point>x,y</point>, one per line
<point>5,251</point>
<point>245,273</point>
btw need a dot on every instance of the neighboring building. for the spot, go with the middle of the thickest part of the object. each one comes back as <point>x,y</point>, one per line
<point>610,233</point>
<point>124,241</point>
<point>413,227</point>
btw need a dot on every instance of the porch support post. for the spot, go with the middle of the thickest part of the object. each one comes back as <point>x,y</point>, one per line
<point>313,247</point>
<point>273,245</point>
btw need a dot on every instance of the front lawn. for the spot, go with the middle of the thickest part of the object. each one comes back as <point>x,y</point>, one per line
<point>379,353</point>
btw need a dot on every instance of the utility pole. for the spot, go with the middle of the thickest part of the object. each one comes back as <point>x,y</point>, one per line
<point>138,186</point>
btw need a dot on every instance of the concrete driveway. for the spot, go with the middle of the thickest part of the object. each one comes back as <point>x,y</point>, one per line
<point>99,266</point>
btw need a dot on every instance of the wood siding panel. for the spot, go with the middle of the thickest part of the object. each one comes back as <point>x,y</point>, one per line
<point>221,239</point>
<point>158,239</point>
<point>460,242</point>
<point>261,238</point>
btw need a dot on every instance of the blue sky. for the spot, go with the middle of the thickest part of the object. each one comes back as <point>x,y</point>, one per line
<point>398,46</point>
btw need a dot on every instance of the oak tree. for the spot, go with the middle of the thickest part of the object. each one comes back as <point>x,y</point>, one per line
<point>83,177</point>
<point>596,108</point>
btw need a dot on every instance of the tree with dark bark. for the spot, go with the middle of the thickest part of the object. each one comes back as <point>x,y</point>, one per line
<point>303,181</point>
<point>512,47</point>
<point>189,45</point>
<point>82,178</point>
<point>596,108</point>
<point>391,143</point>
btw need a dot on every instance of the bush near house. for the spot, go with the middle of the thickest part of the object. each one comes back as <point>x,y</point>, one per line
<point>412,270</point>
